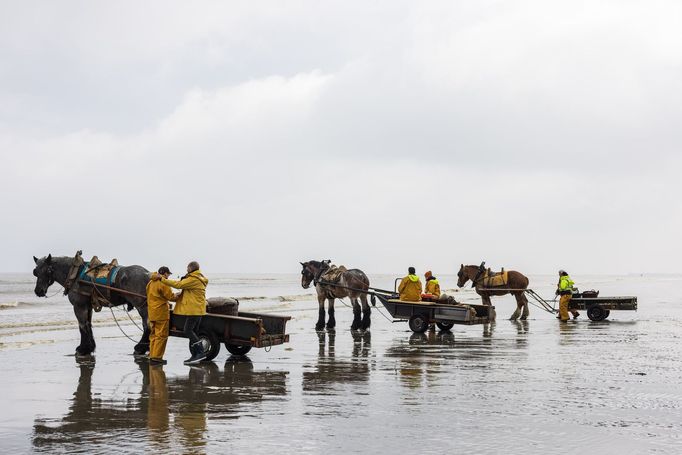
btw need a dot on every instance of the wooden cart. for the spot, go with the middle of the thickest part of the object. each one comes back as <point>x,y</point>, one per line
<point>420,315</point>
<point>239,333</point>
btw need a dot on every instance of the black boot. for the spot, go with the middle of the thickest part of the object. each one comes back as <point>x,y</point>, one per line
<point>198,355</point>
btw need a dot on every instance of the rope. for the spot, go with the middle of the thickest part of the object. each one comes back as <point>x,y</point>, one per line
<point>132,320</point>
<point>377,308</point>
<point>56,292</point>
<point>112,311</point>
<point>119,326</point>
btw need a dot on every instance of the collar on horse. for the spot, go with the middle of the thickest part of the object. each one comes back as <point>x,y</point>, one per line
<point>481,269</point>
<point>74,270</point>
<point>318,275</point>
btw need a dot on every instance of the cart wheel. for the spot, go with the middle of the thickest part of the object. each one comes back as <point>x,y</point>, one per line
<point>236,349</point>
<point>418,323</point>
<point>445,326</point>
<point>597,313</point>
<point>210,343</point>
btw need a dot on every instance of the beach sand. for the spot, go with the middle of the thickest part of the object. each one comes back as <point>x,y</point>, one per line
<point>535,387</point>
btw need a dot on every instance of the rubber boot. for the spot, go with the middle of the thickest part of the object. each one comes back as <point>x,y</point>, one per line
<point>192,351</point>
<point>199,354</point>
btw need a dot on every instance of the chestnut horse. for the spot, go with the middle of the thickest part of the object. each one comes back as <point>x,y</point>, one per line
<point>516,285</point>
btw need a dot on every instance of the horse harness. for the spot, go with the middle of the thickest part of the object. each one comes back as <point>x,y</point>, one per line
<point>78,271</point>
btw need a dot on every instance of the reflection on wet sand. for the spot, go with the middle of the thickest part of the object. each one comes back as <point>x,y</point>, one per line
<point>331,375</point>
<point>167,413</point>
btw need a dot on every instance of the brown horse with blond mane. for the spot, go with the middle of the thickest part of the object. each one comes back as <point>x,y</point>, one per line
<point>516,284</point>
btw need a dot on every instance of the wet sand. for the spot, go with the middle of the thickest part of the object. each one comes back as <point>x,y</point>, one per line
<point>510,387</point>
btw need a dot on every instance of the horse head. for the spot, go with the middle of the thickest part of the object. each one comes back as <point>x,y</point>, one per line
<point>462,278</point>
<point>44,272</point>
<point>307,275</point>
<point>312,270</point>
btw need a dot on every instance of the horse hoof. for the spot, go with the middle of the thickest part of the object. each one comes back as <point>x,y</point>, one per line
<point>331,326</point>
<point>319,327</point>
<point>523,318</point>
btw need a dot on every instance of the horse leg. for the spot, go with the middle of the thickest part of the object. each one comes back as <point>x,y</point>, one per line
<point>519,305</point>
<point>523,301</point>
<point>366,312</point>
<point>488,302</point>
<point>320,317</point>
<point>356,314</point>
<point>331,322</point>
<point>142,346</point>
<point>83,312</point>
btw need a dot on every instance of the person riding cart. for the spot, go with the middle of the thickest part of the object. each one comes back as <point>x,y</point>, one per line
<point>410,287</point>
<point>432,286</point>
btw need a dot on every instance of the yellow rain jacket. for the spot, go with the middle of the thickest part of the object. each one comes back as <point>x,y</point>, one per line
<point>410,288</point>
<point>432,287</point>
<point>192,301</point>
<point>158,295</point>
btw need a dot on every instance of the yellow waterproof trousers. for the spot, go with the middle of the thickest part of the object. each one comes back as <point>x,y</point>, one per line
<point>563,307</point>
<point>158,338</point>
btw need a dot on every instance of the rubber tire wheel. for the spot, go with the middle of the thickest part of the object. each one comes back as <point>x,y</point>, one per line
<point>236,349</point>
<point>445,326</point>
<point>418,323</point>
<point>211,344</point>
<point>597,313</point>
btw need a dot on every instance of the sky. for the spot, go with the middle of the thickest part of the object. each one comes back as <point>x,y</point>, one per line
<point>250,136</point>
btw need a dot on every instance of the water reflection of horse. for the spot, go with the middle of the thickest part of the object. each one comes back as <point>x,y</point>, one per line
<point>516,285</point>
<point>331,374</point>
<point>102,424</point>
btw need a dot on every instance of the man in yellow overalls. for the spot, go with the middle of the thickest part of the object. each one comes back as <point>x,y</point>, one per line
<point>565,290</point>
<point>410,287</point>
<point>158,296</point>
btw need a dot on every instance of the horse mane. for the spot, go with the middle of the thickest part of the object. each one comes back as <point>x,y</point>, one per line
<point>321,264</point>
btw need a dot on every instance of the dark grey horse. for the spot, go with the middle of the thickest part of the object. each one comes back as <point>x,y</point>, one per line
<point>353,278</point>
<point>132,278</point>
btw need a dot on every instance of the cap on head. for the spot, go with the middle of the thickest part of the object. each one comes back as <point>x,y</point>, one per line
<point>193,266</point>
<point>562,272</point>
<point>428,274</point>
<point>163,270</point>
<point>411,270</point>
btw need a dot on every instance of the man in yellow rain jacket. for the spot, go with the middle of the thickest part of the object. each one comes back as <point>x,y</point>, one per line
<point>432,285</point>
<point>410,287</point>
<point>158,295</point>
<point>192,305</point>
<point>565,290</point>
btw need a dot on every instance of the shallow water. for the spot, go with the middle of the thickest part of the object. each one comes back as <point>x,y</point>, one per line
<point>534,386</point>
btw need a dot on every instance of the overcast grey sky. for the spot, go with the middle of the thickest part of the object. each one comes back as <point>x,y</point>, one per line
<point>249,136</point>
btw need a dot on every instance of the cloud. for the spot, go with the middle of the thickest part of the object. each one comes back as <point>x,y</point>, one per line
<point>533,136</point>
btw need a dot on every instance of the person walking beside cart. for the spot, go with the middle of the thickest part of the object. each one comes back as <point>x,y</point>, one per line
<point>410,287</point>
<point>158,296</point>
<point>192,305</point>
<point>565,290</point>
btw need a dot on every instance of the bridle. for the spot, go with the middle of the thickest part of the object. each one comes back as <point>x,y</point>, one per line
<point>315,278</point>
<point>477,277</point>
